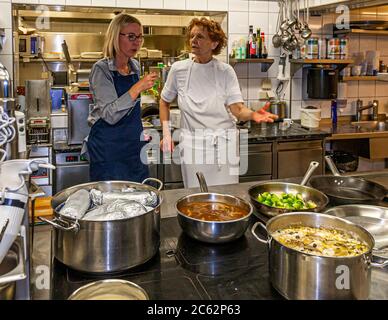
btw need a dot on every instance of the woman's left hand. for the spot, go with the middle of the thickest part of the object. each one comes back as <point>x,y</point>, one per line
<point>262,115</point>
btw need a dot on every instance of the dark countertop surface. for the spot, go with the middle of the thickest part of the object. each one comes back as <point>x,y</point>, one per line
<point>270,132</point>
<point>347,131</point>
<point>188,269</point>
<point>263,132</point>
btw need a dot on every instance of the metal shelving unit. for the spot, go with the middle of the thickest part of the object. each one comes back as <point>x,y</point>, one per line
<point>296,64</point>
<point>265,63</point>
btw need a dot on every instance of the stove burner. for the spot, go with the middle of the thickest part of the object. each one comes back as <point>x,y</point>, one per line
<point>187,269</point>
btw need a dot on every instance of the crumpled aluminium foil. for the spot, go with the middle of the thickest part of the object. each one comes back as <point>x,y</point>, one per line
<point>76,205</point>
<point>146,198</point>
<point>117,209</point>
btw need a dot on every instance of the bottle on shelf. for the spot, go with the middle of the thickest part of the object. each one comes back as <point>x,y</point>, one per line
<point>334,112</point>
<point>249,42</point>
<point>264,53</point>
<point>253,47</point>
<point>243,49</point>
<point>233,53</point>
<point>258,43</point>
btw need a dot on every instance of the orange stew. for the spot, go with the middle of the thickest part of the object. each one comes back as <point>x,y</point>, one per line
<point>213,211</point>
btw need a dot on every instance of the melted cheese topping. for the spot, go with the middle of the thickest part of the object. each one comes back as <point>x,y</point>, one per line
<point>321,241</point>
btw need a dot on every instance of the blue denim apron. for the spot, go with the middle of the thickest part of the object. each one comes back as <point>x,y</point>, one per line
<point>115,149</point>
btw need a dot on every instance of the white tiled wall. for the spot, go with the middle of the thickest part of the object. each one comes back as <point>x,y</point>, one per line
<point>364,90</point>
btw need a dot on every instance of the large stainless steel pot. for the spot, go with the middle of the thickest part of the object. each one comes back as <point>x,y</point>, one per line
<point>106,246</point>
<point>213,231</point>
<point>12,269</point>
<point>298,275</point>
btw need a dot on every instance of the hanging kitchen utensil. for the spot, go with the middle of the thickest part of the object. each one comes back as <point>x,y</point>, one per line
<point>306,31</point>
<point>276,39</point>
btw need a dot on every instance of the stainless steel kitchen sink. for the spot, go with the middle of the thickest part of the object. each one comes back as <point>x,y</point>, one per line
<point>371,125</point>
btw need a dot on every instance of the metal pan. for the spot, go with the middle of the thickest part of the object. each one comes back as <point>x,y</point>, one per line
<point>348,190</point>
<point>308,193</point>
<point>213,231</point>
<point>372,218</point>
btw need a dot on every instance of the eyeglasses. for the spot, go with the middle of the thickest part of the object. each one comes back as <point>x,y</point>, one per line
<point>132,36</point>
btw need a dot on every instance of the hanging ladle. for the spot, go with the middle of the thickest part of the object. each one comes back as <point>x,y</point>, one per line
<point>306,31</point>
<point>276,39</point>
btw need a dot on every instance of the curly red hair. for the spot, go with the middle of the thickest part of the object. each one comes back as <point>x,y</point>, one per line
<point>214,30</point>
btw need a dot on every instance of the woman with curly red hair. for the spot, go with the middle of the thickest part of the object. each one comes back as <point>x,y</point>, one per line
<point>210,100</point>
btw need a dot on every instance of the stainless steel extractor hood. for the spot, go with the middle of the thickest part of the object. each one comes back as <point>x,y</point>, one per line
<point>351,4</point>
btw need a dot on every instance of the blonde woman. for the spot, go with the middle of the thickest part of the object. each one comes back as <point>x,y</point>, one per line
<point>114,143</point>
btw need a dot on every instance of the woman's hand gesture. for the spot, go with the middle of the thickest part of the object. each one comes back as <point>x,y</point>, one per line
<point>262,115</point>
<point>147,82</point>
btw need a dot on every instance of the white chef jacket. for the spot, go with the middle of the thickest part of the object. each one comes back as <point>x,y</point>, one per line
<point>204,93</point>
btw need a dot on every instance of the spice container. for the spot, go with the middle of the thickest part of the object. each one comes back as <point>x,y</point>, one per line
<point>312,48</point>
<point>334,49</point>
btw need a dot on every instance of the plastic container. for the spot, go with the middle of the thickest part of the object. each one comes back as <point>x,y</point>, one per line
<point>56,99</point>
<point>310,117</point>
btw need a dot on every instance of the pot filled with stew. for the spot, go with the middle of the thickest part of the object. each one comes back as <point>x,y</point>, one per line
<point>213,217</point>
<point>316,256</point>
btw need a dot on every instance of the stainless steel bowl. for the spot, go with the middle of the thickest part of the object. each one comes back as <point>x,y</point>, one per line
<point>110,289</point>
<point>213,231</point>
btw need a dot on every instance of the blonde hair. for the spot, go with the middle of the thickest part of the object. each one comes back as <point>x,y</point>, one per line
<point>111,44</point>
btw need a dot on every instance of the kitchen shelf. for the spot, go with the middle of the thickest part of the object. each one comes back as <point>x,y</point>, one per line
<point>362,31</point>
<point>296,64</point>
<point>56,60</point>
<point>265,63</point>
<point>360,78</point>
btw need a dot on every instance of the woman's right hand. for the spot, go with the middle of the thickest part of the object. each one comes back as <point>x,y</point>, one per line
<point>147,82</point>
<point>167,144</point>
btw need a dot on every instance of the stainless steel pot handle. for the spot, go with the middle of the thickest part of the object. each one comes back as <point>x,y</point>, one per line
<point>255,235</point>
<point>156,180</point>
<point>75,227</point>
<point>379,265</point>
<point>309,172</point>
<point>332,166</point>
<point>202,182</point>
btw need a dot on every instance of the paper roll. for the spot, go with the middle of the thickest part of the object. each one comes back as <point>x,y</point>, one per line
<point>342,90</point>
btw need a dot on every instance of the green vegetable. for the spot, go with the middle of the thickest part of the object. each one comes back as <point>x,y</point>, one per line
<point>285,201</point>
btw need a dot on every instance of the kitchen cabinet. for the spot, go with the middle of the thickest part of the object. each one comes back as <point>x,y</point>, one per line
<point>293,158</point>
<point>266,161</point>
<point>259,162</point>
<point>375,148</point>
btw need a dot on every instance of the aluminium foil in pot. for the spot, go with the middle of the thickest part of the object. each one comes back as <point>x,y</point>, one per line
<point>76,205</point>
<point>146,198</point>
<point>116,210</point>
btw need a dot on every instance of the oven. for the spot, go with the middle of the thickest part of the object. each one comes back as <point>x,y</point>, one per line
<point>71,169</point>
<point>29,45</point>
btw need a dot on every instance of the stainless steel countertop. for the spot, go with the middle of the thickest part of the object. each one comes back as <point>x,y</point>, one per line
<point>42,238</point>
